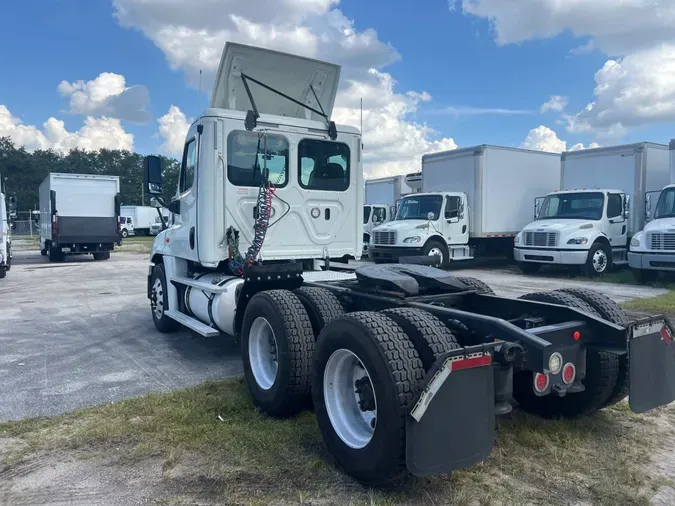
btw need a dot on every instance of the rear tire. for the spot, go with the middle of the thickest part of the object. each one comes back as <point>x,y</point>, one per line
<point>529,267</point>
<point>277,344</point>
<point>477,284</point>
<point>103,255</point>
<point>322,306</point>
<point>373,452</point>
<point>159,302</point>
<point>602,371</point>
<point>431,338</point>
<point>610,311</point>
<point>3,272</point>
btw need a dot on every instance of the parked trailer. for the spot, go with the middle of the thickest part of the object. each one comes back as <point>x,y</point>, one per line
<point>401,362</point>
<point>474,202</point>
<point>79,214</point>
<point>653,249</point>
<point>590,223</point>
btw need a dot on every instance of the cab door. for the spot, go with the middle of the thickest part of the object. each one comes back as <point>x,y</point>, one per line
<point>617,225</point>
<point>455,224</point>
<point>183,236</point>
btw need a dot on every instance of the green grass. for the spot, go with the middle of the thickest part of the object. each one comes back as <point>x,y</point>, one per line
<point>661,304</point>
<point>250,458</point>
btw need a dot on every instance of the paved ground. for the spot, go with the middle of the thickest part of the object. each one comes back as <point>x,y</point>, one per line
<point>80,333</point>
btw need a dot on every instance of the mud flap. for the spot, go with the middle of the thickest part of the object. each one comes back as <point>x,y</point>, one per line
<point>452,426</point>
<point>652,365</point>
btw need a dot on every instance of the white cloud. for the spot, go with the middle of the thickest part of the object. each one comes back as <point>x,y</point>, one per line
<point>555,103</point>
<point>463,110</point>
<point>107,95</point>
<point>543,138</point>
<point>636,86</point>
<point>173,128</point>
<point>96,133</point>
<point>192,34</point>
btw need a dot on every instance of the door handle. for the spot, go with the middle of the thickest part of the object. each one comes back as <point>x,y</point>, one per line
<point>192,237</point>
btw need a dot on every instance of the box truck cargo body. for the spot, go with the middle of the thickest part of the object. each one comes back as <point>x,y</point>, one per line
<point>653,249</point>
<point>473,202</point>
<point>79,214</point>
<point>600,205</point>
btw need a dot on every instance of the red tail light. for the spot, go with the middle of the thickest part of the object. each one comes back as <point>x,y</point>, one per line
<point>569,373</point>
<point>55,225</point>
<point>540,382</point>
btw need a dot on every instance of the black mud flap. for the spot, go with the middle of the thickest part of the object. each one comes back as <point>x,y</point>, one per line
<point>452,426</point>
<point>652,365</point>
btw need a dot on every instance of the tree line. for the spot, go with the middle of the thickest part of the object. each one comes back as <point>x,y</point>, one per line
<point>23,171</point>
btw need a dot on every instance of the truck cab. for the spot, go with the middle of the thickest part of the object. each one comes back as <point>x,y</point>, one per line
<point>653,248</point>
<point>126,226</point>
<point>373,216</point>
<point>586,228</point>
<point>425,224</point>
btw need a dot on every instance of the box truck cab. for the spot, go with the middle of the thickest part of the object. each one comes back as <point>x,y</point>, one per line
<point>653,248</point>
<point>591,226</point>
<point>579,227</point>
<point>126,226</point>
<point>374,215</point>
<point>473,202</point>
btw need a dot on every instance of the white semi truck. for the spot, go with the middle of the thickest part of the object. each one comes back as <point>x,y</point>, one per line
<point>5,234</point>
<point>590,220</point>
<point>399,362</point>
<point>382,197</point>
<point>473,202</point>
<point>79,214</point>
<point>139,220</point>
<point>653,248</point>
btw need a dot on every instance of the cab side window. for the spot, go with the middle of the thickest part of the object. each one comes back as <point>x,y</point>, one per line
<point>613,205</point>
<point>451,207</point>
<point>187,170</point>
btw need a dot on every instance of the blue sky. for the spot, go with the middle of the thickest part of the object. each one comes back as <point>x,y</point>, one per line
<point>488,70</point>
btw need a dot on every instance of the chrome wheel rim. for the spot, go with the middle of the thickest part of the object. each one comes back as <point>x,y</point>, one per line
<point>436,252</point>
<point>157,302</point>
<point>599,261</point>
<point>262,353</point>
<point>350,399</point>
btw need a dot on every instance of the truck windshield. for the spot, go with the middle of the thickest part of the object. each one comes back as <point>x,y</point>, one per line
<point>417,208</point>
<point>571,206</point>
<point>666,205</point>
<point>366,214</point>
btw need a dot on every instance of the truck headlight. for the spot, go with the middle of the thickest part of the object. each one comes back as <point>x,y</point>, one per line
<point>415,238</point>
<point>635,242</point>
<point>517,239</point>
<point>578,240</point>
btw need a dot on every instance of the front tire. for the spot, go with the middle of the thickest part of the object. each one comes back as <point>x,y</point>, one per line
<point>435,247</point>
<point>159,302</point>
<point>599,260</point>
<point>277,344</point>
<point>645,275</point>
<point>124,232</point>
<point>529,267</point>
<point>365,432</point>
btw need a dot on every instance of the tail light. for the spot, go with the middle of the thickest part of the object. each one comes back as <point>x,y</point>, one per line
<point>540,382</point>
<point>569,373</point>
<point>55,225</point>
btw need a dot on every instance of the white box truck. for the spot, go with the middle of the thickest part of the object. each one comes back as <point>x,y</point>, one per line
<point>79,214</point>
<point>590,220</point>
<point>382,197</point>
<point>139,219</point>
<point>5,235</point>
<point>653,248</point>
<point>473,202</point>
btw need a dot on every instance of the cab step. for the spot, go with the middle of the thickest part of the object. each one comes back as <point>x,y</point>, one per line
<point>192,324</point>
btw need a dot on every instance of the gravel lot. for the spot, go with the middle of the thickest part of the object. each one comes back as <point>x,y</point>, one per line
<point>80,333</point>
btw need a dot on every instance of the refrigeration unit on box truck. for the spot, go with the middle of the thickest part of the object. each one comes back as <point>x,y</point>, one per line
<point>79,214</point>
<point>653,248</point>
<point>473,202</point>
<point>601,204</point>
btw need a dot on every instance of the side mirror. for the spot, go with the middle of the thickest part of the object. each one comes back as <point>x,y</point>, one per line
<point>52,201</point>
<point>153,174</point>
<point>430,216</point>
<point>626,207</point>
<point>154,202</point>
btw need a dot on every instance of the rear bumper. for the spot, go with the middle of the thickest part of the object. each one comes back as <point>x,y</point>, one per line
<point>546,256</point>
<point>653,261</point>
<point>391,253</point>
